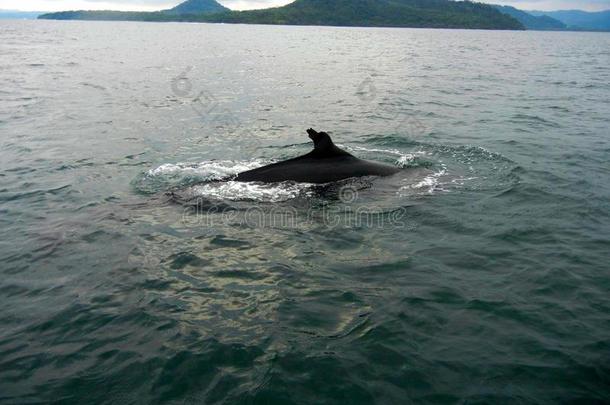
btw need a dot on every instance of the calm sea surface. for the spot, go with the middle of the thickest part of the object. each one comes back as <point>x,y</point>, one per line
<point>479,274</point>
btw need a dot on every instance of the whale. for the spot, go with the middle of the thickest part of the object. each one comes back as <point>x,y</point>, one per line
<point>326,163</point>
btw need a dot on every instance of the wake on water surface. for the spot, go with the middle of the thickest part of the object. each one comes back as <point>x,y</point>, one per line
<point>428,169</point>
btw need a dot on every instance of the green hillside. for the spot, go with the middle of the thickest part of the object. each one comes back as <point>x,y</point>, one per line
<point>197,7</point>
<point>367,13</point>
<point>382,13</point>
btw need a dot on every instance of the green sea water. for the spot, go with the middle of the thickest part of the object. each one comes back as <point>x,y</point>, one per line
<point>478,274</point>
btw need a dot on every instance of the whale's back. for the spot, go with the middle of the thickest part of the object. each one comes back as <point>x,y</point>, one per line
<point>318,171</point>
<point>325,164</point>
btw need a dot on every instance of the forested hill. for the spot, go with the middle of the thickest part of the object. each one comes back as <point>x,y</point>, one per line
<point>190,10</point>
<point>197,7</point>
<point>367,13</point>
<point>386,13</point>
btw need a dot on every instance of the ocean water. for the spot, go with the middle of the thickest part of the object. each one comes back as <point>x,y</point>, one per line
<point>479,274</point>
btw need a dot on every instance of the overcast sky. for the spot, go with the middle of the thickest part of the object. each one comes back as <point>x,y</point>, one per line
<point>150,5</point>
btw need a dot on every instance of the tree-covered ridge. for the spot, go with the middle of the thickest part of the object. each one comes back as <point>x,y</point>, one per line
<point>190,10</point>
<point>108,15</point>
<point>376,13</point>
<point>197,7</point>
<point>382,13</point>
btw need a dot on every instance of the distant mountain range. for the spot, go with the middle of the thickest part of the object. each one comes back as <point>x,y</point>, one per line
<point>533,22</point>
<point>580,20</point>
<point>19,15</point>
<point>377,13</point>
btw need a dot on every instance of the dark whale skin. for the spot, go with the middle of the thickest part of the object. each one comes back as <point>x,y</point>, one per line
<point>325,164</point>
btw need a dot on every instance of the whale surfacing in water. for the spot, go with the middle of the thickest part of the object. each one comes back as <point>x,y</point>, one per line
<point>325,164</point>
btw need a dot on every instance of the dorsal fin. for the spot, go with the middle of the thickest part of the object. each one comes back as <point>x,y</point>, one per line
<point>323,145</point>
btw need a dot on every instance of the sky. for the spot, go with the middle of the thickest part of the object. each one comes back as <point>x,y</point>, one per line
<point>151,5</point>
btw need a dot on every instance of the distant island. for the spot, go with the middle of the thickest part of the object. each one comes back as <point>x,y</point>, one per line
<point>365,13</point>
<point>190,10</point>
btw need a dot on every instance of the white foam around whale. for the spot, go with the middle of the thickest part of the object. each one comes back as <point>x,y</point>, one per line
<point>428,184</point>
<point>403,159</point>
<point>230,190</point>
<point>209,170</point>
<point>236,191</point>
